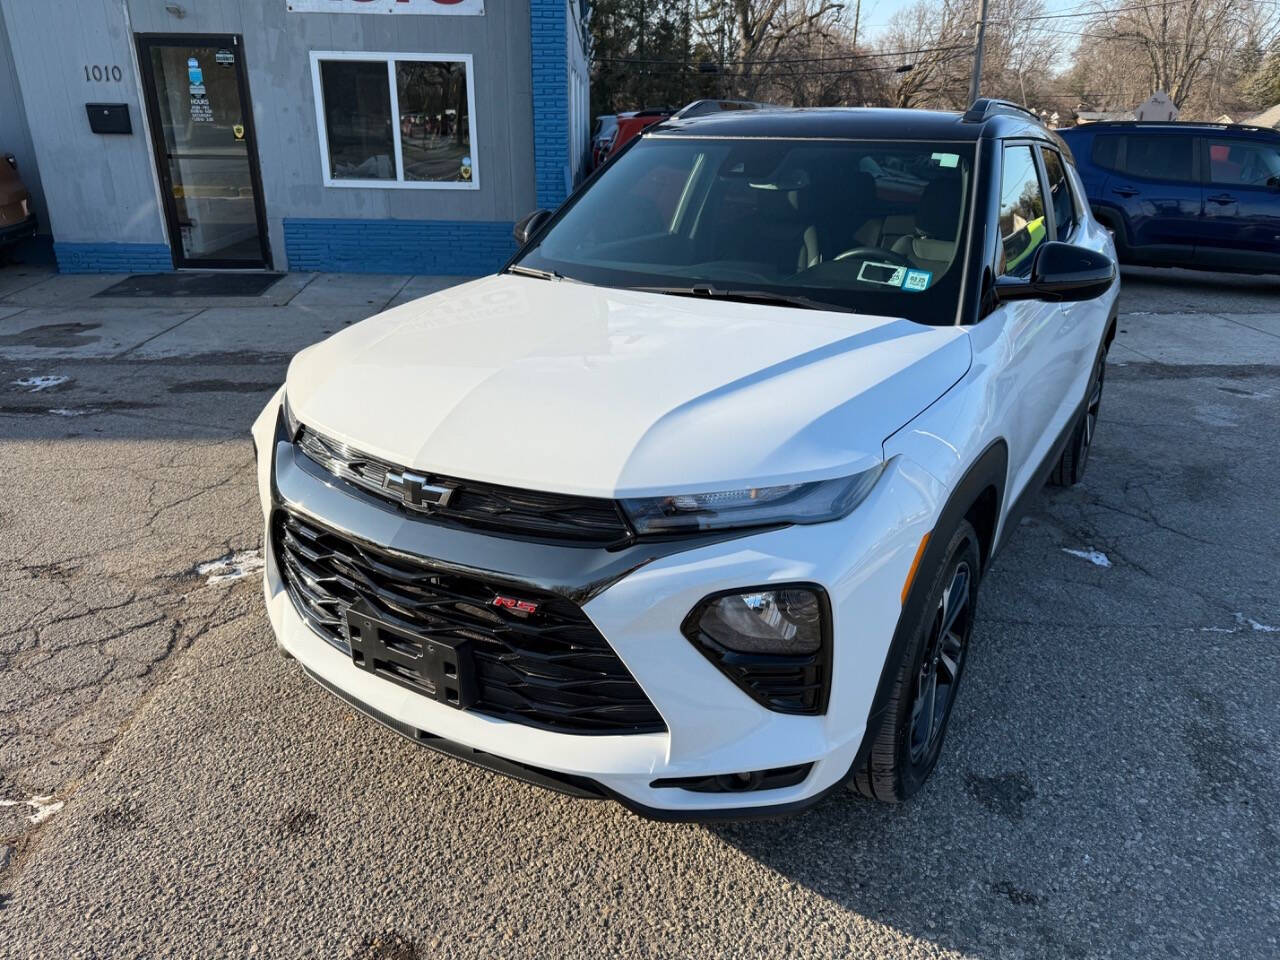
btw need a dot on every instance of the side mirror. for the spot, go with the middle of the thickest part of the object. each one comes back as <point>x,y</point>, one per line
<point>1273,182</point>
<point>529,225</point>
<point>1062,272</point>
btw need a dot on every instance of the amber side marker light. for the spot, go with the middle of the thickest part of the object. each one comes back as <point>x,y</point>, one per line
<point>915,565</point>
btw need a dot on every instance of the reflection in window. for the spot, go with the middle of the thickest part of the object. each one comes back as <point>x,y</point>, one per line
<point>357,115</point>
<point>1022,225</point>
<point>1064,207</point>
<point>397,119</point>
<point>435,126</point>
<point>1238,163</point>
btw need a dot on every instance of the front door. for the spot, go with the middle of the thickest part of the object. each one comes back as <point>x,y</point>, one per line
<point>197,99</point>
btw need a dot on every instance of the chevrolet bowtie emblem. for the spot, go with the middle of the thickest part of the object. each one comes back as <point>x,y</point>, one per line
<point>415,491</point>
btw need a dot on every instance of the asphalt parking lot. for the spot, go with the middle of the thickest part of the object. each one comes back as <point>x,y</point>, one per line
<point>169,786</point>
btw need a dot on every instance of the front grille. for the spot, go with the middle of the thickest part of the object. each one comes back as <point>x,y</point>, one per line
<point>550,669</point>
<point>486,506</point>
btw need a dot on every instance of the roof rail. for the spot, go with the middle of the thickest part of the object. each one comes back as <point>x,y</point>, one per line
<point>701,108</point>
<point>985,107</point>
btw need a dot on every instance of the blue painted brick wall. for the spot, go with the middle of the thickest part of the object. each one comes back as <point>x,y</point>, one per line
<point>549,30</point>
<point>113,257</point>
<point>455,247</point>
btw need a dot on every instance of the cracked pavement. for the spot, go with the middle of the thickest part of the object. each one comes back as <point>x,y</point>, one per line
<point>1110,786</point>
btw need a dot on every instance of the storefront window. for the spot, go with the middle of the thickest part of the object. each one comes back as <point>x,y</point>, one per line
<point>435,125</point>
<point>430,145</point>
<point>357,119</point>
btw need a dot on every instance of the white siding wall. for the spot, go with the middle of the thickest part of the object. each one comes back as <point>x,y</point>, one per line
<point>579,93</point>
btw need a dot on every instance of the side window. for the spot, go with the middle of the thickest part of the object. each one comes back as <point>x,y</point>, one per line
<point>1064,205</point>
<point>1022,227</point>
<point>1239,163</point>
<point>1158,157</point>
<point>1106,151</point>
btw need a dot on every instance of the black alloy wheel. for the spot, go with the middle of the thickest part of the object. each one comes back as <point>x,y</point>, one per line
<point>939,673</point>
<point>1071,465</point>
<point>908,740</point>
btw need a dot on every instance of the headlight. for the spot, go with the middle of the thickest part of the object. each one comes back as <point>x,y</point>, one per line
<point>752,506</point>
<point>291,424</point>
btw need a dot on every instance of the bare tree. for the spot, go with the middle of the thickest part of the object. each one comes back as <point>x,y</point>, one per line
<point>762,30</point>
<point>1178,41</point>
<point>933,42</point>
<point>1020,48</point>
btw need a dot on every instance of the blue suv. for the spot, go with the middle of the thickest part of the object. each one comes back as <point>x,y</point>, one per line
<point>1205,196</point>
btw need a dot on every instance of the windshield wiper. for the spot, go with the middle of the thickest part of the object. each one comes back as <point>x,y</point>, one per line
<point>706,291</point>
<point>534,272</point>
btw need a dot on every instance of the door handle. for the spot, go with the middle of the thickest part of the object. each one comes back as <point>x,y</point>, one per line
<point>1125,191</point>
<point>1222,198</point>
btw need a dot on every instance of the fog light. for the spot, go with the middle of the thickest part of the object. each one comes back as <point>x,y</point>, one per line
<point>773,642</point>
<point>765,621</point>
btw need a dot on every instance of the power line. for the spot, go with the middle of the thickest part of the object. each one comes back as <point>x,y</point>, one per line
<point>1137,40</point>
<point>1095,12</point>
<point>772,62</point>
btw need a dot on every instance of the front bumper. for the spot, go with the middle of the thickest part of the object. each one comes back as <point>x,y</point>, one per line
<point>638,601</point>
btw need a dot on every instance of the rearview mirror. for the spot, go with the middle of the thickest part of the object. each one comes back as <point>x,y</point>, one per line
<point>1061,272</point>
<point>529,225</point>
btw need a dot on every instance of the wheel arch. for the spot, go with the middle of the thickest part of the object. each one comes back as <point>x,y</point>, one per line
<point>979,493</point>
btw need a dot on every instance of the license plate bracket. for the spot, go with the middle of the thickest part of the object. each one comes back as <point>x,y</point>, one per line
<point>439,668</point>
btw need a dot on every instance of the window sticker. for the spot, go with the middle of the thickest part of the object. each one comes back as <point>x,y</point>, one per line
<point>948,160</point>
<point>887,274</point>
<point>917,280</point>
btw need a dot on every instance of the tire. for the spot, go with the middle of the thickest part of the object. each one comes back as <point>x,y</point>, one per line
<point>904,752</point>
<point>1071,465</point>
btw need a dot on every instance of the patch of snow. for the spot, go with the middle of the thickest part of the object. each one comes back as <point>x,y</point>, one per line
<point>44,807</point>
<point>1260,627</point>
<point>1217,630</point>
<point>234,566</point>
<point>1096,557</point>
<point>36,384</point>
<point>71,412</point>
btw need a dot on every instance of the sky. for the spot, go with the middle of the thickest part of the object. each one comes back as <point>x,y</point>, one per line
<point>876,14</point>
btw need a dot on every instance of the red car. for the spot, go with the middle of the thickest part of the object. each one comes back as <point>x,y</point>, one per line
<point>630,125</point>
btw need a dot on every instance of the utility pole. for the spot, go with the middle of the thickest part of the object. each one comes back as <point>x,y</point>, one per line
<point>857,15</point>
<point>975,85</point>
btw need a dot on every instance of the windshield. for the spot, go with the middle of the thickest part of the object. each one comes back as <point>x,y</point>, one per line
<point>874,227</point>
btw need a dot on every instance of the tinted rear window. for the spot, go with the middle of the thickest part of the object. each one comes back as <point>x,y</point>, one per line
<point>1106,151</point>
<point>1157,157</point>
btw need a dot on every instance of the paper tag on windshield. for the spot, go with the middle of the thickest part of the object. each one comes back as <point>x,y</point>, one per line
<point>917,280</point>
<point>888,274</point>
<point>947,159</point>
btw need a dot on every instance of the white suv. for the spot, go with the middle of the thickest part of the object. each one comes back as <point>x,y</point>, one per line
<point>689,505</point>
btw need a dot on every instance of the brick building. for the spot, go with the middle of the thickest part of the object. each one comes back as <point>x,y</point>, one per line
<point>389,136</point>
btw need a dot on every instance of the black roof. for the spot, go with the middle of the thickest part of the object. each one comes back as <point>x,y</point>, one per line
<point>853,123</point>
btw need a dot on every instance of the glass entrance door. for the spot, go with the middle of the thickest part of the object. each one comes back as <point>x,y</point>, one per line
<point>205,150</point>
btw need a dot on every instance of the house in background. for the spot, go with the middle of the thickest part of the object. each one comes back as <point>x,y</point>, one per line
<point>1267,118</point>
<point>388,136</point>
<point>1100,116</point>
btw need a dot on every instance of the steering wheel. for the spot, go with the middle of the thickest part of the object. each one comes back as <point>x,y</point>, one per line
<point>878,254</point>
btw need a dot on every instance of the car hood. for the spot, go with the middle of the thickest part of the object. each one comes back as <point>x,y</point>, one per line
<point>565,387</point>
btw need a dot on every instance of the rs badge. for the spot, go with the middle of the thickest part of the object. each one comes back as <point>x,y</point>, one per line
<point>522,607</point>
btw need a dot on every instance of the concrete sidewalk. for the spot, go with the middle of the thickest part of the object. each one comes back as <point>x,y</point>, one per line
<point>1172,317</point>
<point>46,315</point>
